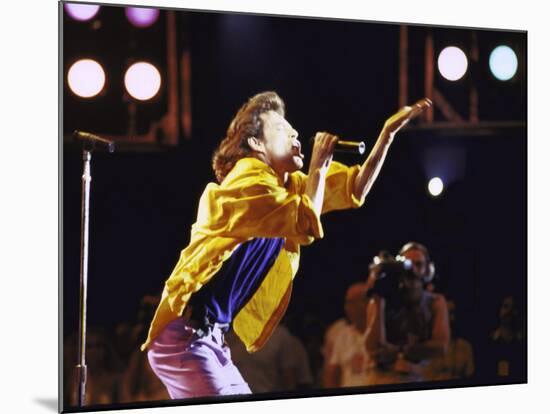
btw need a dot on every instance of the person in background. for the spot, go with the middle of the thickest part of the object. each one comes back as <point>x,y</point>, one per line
<point>406,333</point>
<point>332,333</point>
<point>281,365</point>
<point>139,383</point>
<point>458,361</point>
<point>104,368</point>
<point>510,326</point>
<point>507,343</point>
<point>348,365</point>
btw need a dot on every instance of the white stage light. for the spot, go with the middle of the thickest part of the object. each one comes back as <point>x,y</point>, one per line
<point>435,186</point>
<point>142,81</point>
<point>86,78</point>
<point>452,63</point>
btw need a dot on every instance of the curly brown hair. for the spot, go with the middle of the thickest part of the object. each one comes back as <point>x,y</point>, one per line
<point>246,123</point>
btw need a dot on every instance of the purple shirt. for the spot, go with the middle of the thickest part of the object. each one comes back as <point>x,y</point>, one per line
<point>237,280</point>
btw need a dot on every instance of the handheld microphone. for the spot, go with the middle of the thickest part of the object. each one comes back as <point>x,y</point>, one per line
<point>353,147</point>
<point>350,147</point>
<point>88,137</point>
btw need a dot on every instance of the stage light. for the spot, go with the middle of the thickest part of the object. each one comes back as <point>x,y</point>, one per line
<point>503,63</point>
<point>142,81</point>
<point>81,12</point>
<point>141,16</point>
<point>86,78</point>
<point>452,63</point>
<point>435,186</point>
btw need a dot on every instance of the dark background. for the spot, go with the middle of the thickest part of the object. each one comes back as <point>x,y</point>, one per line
<point>338,76</point>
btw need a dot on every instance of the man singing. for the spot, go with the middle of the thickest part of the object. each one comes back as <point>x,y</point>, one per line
<point>245,244</point>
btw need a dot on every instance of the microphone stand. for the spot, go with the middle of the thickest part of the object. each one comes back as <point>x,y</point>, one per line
<point>81,368</point>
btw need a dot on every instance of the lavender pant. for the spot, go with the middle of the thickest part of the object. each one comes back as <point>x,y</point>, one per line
<point>193,366</point>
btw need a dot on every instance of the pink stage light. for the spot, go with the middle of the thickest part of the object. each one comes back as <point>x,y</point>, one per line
<point>81,12</point>
<point>142,81</point>
<point>141,17</point>
<point>86,78</point>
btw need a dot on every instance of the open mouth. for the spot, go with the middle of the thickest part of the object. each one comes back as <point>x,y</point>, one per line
<point>297,150</point>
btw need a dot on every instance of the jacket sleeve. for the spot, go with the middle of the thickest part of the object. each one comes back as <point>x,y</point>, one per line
<point>339,188</point>
<point>339,183</point>
<point>251,203</point>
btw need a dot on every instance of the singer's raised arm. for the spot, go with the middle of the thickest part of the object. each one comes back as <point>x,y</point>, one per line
<point>371,167</point>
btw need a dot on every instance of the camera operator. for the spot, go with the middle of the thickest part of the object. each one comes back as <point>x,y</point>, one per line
<point>407,326</point>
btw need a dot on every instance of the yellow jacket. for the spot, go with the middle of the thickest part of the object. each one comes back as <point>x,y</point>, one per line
<point>252,202</point>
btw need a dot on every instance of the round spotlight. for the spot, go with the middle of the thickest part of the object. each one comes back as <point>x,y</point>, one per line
<point>435,186</point>
<point>141,17</point>
<point>503,63</point>
<point>452,63</point>
<point>81,12</point>
<point>142,81</point>
<point>86,78</point>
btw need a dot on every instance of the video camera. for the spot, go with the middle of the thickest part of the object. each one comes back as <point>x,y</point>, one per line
<point>390,272</point>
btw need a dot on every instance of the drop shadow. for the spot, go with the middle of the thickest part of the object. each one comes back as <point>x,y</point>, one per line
<point>49,403</point>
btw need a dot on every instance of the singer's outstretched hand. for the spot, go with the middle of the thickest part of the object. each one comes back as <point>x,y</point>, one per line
<point>371,167</point>
<point>404,115</point>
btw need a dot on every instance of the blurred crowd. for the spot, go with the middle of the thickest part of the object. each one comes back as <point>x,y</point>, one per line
<point>382,338</point>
